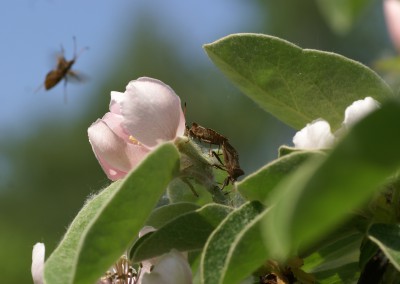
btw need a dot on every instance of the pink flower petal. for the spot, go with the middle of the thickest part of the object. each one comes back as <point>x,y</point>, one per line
<point>152,111</point>
<point>392,15</point>
<point>116,156</point>
<point>114,122</point>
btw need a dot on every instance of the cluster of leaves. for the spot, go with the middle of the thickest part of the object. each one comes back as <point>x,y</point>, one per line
<point>309,215</point>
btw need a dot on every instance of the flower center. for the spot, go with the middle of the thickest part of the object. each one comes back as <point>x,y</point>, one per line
<point>134,140</point>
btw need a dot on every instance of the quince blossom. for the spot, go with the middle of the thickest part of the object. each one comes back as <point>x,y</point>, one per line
<point>146,114</point>
<point>392,15</point>
<point>318,135</point>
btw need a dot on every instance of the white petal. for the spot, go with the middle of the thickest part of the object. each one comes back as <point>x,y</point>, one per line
<point>116,99</point>
<point>38,263</point>
<point>172,268</point>
<point>152,111</point>
<point>359,109</point>
<point>316,135</point>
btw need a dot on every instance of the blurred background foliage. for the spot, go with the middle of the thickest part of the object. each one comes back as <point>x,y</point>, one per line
<point>47,173</point>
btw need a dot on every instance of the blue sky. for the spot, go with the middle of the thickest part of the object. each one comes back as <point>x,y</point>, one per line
<point>33,30</point>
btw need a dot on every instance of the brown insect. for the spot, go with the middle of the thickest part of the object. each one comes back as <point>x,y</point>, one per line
<point>231,165</point>
<point>206,134</point>
<point>63,70</point>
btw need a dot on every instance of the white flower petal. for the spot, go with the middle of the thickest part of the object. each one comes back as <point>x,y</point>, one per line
<point>316,135</point>
<point>37,268</point>
<point>152,111</point>
<point>359,109</point>
<point>172,268</point>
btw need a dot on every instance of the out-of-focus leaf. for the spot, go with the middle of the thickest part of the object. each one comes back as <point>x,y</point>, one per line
<point>322,192</point>
<point>295,85</point>
<point>342,14</point>
<point>187,232</point>
<point>337,260</point>
<point>388,64</point>
<point>218,245</point>
<point>387,237</point>
<point>260,184</point>
<point>110,221</point>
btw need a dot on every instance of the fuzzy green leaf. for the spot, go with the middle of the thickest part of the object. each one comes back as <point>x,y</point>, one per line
<point>322,192</point>
<point>247,245</point>
<point>186,232</point>
<point>110,221</point>
<point>218,245</point>
<point>295,85</point>
<point>387,237</point>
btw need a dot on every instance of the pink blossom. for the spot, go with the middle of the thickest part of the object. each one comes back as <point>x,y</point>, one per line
<point>392,15</point>
<point>145,115</point>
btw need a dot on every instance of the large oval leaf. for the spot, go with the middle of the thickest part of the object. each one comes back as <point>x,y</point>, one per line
<point>110,221</point>
<point>295,85</point>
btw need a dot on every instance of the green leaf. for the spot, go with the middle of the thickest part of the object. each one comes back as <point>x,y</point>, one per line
<point>342,14</point>
<point>387,237</point>
<point>162,215</point>
<point>185,233</point>
<point>322,192</point>
<point>219,243</point>
<point>110,221</point>
<point>260,184</point>
<point>295,85</point>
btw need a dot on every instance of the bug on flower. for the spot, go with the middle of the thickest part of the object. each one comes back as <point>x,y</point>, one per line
<point>63,70</point>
